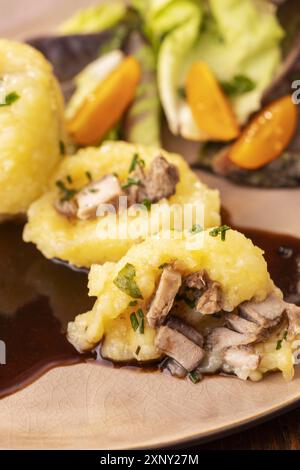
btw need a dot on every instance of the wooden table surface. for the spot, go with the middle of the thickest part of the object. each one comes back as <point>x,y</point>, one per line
<point>282,433</point>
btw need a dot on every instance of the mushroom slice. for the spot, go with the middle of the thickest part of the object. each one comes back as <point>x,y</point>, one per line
<point>223,338</point>
<point>241,360</point>
<point>293,314</point>
<point>211,300</point>
<point>179,347</point>
<point>162,303</point>
<point>267,313</point>
<point>98,192</point>
<point>161,180</point>
<point>66,208</point>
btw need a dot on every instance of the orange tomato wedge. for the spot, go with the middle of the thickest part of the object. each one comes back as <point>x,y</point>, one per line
<point>267,135</point>
<point>104,107</point>
<point>211,108</point>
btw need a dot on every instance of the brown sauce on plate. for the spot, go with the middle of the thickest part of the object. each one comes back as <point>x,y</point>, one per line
<point>38,298</point>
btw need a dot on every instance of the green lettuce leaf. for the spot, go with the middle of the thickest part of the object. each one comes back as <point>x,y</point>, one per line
<point>95,18</point>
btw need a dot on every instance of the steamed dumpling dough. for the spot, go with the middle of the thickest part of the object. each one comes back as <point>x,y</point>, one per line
<point>85,242</point>
<point>236,264</point>
<point>31,126</point>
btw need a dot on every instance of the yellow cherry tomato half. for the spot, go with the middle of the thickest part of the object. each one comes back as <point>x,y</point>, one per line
<point>266,136</point>
<point>104,107</point>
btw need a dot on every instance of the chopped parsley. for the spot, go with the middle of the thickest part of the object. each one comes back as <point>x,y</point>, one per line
<point>137,321</point>
<point>182,92</point>
<point>142,321</point>
<point>196,228</point>
<point>69,179</point>
<point>279,342</point>
<point>137,352</point>
<point>10,99</point>
<point>125,281</point>
<point>194,376</point>
<point>66,193</point>
<point>134,321</point>
<point>239,85</point>
<point>136,160</point>
<point>62,147</point>
<point>220,231</point>
<point>133,303</point>
<point>131,182</point>
<point>89,176</point>
<point>164,265</point>
<point>147,203</point>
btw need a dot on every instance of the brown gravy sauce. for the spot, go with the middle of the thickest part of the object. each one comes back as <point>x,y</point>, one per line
<point>38,298</point>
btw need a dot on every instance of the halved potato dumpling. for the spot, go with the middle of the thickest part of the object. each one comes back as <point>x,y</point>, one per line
<point>235,263</point>
<point>31,122</point>
<point>107,238</point>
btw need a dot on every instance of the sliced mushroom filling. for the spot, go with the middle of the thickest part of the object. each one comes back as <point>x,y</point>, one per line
<point>177,346</point>
<point>206,294</point>
<point>163,300</point>
<point>159,183</point>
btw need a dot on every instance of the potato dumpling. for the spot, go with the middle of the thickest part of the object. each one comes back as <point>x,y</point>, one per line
<point>31,122</point>
<point>234,263</point>
<point>83,240</point>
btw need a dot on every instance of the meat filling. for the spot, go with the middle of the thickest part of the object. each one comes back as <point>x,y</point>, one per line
<point>163,300</point>
<point>179,347</point>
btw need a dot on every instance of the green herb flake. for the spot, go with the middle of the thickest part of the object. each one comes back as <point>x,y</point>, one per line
<point>62,147</point>
<point>10,99</point>
<point>163,266</point>
<point>194,377</point>
<point>67,193</point>
<point>134,321</point>
<point>69,179</point>
<point>220,231</point>
<point>138,349</point>
<point>131,182</point>
<point>89,176</point>
<point>196,228</point>
<point>279,342</point>
<point>125,281</point>
<point>133,303</point>
<point>239,85</point>
<point>136,160</point>
<point>182,93</point>
<point>147,203</point>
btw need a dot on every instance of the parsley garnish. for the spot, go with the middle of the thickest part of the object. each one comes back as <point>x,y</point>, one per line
<point>67,193</point>
<point>239,85</point>
<point>10,99</point>
<point>134,321</point>
<point>137,352</point>
<point>69,179</point>
<point>131,182</point>
<point>196,228</point>
<point>194,377</point>
<point>220,231</point>
<point>279,342</point>
<point>125,281</point>
<point>89,176</point>
<point>142,321</point>
<point>133,303</point>
<point>62,147</point>
<point>136,160</point>
<point>164,265</point>
<point>147,203</point>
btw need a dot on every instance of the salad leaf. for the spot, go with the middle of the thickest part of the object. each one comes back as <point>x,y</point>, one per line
<point>174,49</point>
<point>142,122</point>
<point>95,18</point>
<point>245,41</point>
